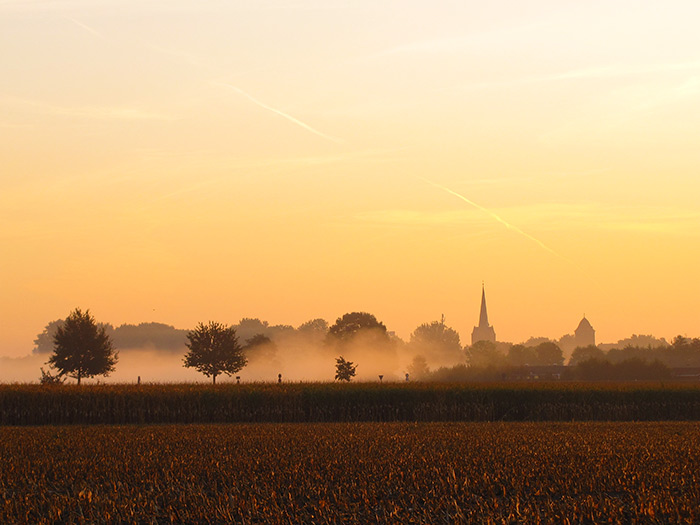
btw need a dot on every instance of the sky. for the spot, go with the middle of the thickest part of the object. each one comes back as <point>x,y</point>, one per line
<point>186,161</point>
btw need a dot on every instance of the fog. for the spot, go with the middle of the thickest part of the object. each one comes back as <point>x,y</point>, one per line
<point>305,353</point>
<point>154,352</point>
<point>295,363</point>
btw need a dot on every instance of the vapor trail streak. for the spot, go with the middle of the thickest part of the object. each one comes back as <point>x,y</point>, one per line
<point>282,114</point>
<point>87,28</point>
<point>506,224</point>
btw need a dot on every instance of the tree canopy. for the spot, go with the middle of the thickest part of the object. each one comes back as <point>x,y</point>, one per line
<point>158,336</point>
<point>485,354</point>
<point>318,325</point>
<point>260,348</point>
<point>214,350</point>
<point>350,324</point>
<point>586,353</point>
<point>82,348</point>
<point>44,342</point>
<point>437,342</point>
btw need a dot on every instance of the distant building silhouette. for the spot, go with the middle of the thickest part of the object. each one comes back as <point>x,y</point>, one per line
<point>584,335</point>
<point>483,332</point>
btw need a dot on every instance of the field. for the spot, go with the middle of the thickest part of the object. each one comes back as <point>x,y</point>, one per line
<point>332,402</point>
<point>352,473</point>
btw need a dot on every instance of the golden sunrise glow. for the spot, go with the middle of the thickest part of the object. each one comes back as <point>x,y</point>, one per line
<point>184,161</point>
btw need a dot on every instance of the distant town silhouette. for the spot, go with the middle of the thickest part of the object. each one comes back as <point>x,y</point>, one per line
<point>434,351</point>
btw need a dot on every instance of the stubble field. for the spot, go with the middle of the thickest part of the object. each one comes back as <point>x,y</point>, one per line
<point>352,473</point>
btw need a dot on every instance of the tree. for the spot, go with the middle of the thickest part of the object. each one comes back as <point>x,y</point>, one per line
<point>549,353</point>
<point>534,341</point>
<point>43,344</point>
<point>359,336</point>
<point>82,348</point>
<point>214,350</point>
<point>521,355</point>
<point>157,336</point>
<point>314,326</point>
<point>348,326</point>
<point>344,370</point>
<point>47,378</point>
<point>260,348</point>
<point>247,328</point>
<point>483,354</point>
<point>586,353</point>
<point>437,342</point>
<point>418,369</point>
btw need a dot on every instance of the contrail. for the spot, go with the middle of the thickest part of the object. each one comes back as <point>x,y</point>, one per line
<point>282,114</point>
<point>87,28</point>
<point>508,225</point>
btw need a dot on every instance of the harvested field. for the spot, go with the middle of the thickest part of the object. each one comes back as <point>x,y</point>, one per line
<point>352,472</point>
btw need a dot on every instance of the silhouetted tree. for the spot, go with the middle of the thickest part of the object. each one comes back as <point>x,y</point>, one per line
<point>438,342</point>
<point>82,348</point>
<point>549,353</point>
<point>485,354</point>
<point>260,348</point>
<point>683,352</point>
<point>214,350</point>
<point>47,378</point>
<point>157,336</point>
<point>534,341</point>
<point>617,355</point>
<point>344,370</point>
<point>149,335</point>
<point>43,344</point>
<point>348,326</point>
<point>248,327</point>
<point>567,343</point>
<point>418,369</point>
<point>629,370</point>
<point>521,355</point>
<point>359,335</point>
<point>314,326</point>
<point>586,353</point>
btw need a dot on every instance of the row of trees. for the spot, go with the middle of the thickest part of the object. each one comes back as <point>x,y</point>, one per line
<point>167,338</point>
<point>83,348</point>
<point>681,353</point>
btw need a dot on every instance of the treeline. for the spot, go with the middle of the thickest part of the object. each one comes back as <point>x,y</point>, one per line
<point>488,361</point>
<point>433,353</point>
<point>160,336</point>
<point>683,352</point>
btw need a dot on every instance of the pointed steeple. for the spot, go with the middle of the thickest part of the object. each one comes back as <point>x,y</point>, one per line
<point>483,332</point>
<point>483,316</point>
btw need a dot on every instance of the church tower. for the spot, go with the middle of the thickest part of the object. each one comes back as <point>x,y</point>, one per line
<point>483,332</point>
<point>584,335</point>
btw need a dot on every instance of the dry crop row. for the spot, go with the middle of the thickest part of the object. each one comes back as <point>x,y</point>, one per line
<point>352,473</point>
<point>324,402</point>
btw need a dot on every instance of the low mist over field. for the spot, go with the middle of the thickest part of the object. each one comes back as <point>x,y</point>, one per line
<point>154,353</point>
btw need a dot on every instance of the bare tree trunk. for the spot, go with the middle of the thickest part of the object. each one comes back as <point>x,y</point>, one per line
<point>78,378</point>
<point>213,379</point>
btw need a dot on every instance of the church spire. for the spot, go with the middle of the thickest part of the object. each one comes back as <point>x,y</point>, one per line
<point>483,332</point>
<point>483,316</point>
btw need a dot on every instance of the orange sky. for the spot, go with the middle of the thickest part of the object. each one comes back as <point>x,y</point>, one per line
<point>186,161</point>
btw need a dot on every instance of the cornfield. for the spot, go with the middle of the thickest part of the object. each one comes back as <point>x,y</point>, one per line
<point>328,402</point>
<point>352,473</point>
